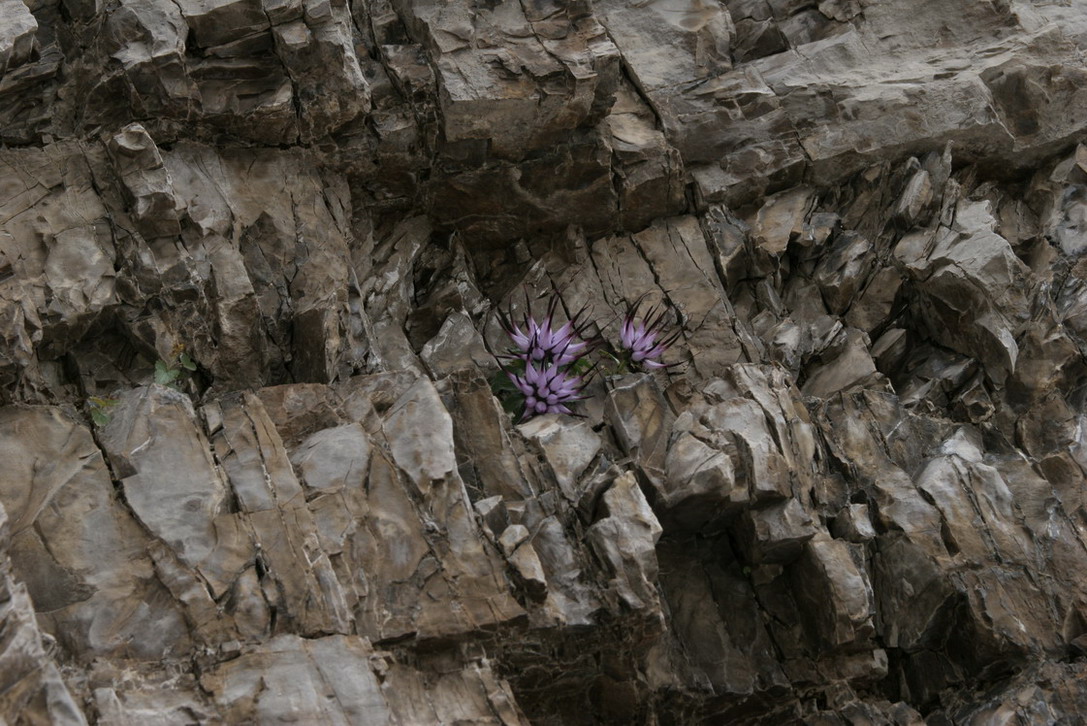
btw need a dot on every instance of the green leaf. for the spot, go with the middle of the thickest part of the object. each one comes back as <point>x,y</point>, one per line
<point>187,363</point>
<point>618,365</point>
<point>580,366</point>
<point>501,384</point>
<point>165,376</point>
<point>100,417</point>
<point>512,404</point>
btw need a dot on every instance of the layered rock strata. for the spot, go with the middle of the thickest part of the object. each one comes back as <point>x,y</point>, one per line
<point>252,259</point>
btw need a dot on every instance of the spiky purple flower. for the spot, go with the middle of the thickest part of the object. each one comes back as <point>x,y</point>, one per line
<point>541,342</point>
<point>643,340</point>
<point>546,364</point>
<point>547,389</point>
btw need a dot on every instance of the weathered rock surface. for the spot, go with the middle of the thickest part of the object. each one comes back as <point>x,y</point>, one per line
<point>252,260</point>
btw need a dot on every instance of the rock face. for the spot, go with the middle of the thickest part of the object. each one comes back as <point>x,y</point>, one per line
<point>253,255</point>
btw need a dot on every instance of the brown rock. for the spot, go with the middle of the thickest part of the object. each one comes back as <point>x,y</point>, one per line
<point>80,552</point>
<point>625,539</point>
<point>32,684</point>
<point>17,37</point>
<point>853,495</point>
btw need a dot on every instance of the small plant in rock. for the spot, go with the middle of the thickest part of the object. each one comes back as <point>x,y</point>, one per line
<point>642,340</point>
<point>547,389</point>
<point>539,341</point>
<point>100,409</point>
<point>175,371</point>
<point>546,368</point>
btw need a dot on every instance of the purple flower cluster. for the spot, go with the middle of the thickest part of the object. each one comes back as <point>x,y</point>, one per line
<point>547,390</point>
<point>643,340</point>
<point>547,365</point>
<point>546,353</point>
<point>539,341</point>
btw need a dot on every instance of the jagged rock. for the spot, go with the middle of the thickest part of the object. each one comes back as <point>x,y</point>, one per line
<point>486,460</point>
<point>148,40</point>
<point>61,277</point>
<point>569,181</point>
<point>848,364</point>
<point>781,220</point>
<point>649,169</point>
<point>329,458</point>
<point>217,23</point>
<point>319,53</point>
<point>342,679</point>
<point>457,346</point>
<point>514,79</point>
<point>524,560</point>
<point>79,550</point>
<point>494,517</point>
<point>853,494</point>
<point>776,534</point>
<point>568,449</point>
<point>512,537</point>
<point>169,478</point>
<point>642,421</point>
<point>871,309</point>
<point>843,271</point>
<point>125,704</point>
<point>1048,692</point>
<point>700,483</point>
<point>722,650</point>
<point>32,684</point>
<point>17,36</point>
<point>834,594</point>
<point>854,524</point>
<point>625,538</point>
<point>951,303</point>
<point>146,180</point>
<point>770,448</point>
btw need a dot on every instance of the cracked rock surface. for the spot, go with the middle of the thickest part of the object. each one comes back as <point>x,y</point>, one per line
<point>253,257</point>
